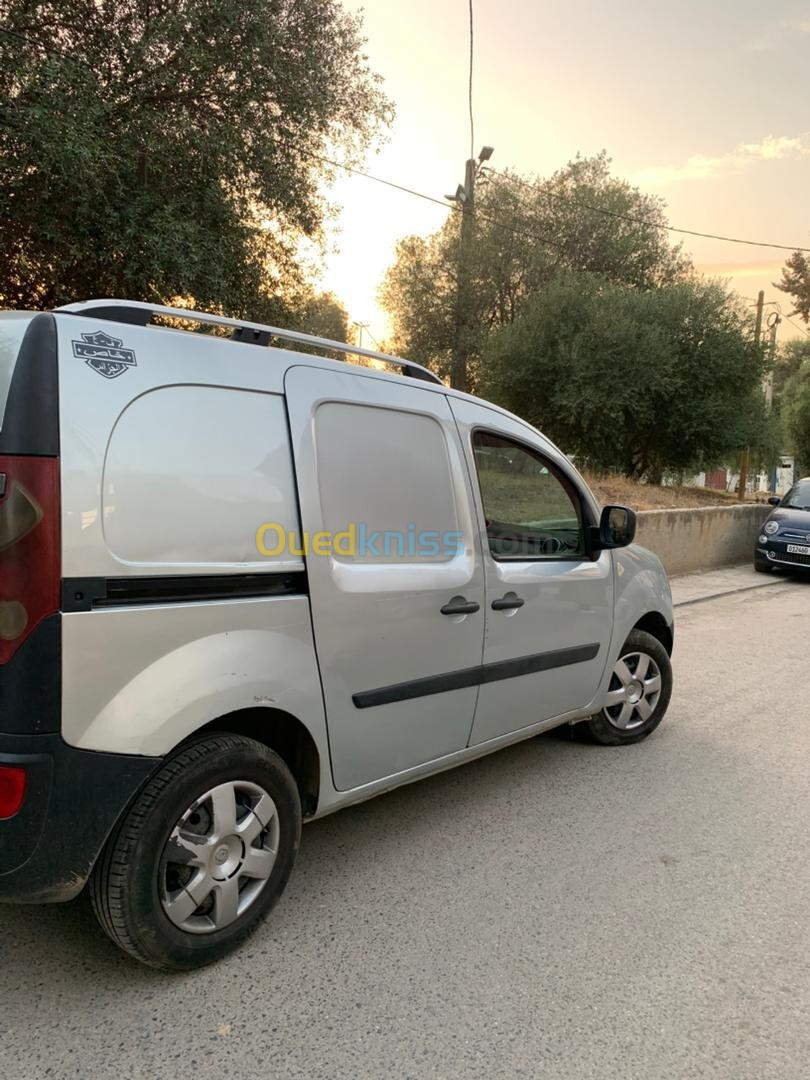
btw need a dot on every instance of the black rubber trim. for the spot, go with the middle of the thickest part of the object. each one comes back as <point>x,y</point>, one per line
<point>85,594</point>
<point>475,676</point>
<point>72,801</point>
<point>31,419</point>
<point>420,373</point>
<point>115,313</point>
<point>31,682</point>
<point>251,336</point>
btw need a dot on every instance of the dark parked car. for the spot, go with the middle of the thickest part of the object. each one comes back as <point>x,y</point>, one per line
<point>784,539</point>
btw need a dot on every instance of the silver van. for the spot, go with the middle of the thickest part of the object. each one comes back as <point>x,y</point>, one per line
<point>244,584</point>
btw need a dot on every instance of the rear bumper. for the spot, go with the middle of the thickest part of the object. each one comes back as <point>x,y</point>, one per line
<point>73,799</point>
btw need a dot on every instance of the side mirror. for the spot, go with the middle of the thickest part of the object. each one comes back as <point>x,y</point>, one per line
<point>617,527</point>
<point>774,500</point>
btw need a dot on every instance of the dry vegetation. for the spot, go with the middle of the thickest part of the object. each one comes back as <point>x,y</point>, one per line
<point>618,489</point>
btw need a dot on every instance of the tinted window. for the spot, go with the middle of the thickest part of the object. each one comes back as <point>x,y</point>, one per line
<point>531,509</point>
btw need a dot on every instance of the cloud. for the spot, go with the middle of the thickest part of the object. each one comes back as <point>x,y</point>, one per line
<point>768,268</point>
<point>773,35</point>
<point>799,25</point>
<point>700,167</point>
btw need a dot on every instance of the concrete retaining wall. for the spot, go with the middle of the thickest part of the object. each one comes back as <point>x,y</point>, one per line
<point>701,539</point>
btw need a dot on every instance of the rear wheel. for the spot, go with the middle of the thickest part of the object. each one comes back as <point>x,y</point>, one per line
<point>638,693</point>
<point>201,856</point>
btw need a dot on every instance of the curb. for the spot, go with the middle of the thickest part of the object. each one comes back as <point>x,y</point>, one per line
<point>731,592</point>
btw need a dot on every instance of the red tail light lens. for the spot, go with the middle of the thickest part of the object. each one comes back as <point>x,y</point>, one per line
<point>30,569</point>
<point>12,790</point>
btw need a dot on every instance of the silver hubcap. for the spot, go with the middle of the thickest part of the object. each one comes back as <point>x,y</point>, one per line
<point>219,857</point>
<point>635,688</point>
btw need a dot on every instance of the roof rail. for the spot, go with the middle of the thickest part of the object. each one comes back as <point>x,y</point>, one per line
<point>137,313</point>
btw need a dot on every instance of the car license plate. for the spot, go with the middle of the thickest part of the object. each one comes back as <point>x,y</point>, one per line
<point>797,549</point>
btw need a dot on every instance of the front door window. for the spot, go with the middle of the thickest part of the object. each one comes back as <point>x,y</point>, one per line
<point>532,510</point>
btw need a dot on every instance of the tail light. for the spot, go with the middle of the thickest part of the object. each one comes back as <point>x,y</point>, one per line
<point>30,569</point>
<point>12,790</point>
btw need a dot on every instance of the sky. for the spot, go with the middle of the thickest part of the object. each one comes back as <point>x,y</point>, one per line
<point>703,103</point>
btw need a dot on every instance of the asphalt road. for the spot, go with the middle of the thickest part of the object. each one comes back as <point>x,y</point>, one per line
<point>555,910</point>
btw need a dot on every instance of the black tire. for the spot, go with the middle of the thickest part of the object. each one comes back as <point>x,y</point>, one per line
<point>762,566</point>
<point>600,729</point>
<point>126,882</point>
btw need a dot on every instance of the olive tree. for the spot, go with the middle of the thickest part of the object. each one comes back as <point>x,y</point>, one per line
<point>169,148</point>
<point>636,381</point>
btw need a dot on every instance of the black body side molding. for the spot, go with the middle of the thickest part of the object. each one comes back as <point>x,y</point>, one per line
<point>85,594</point>
<point>475,676</point>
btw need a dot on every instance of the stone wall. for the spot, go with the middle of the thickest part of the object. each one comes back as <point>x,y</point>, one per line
<point>704,538</point>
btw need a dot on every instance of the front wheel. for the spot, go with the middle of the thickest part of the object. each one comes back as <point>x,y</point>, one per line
<point>638,693</point>
<point>201,856</point>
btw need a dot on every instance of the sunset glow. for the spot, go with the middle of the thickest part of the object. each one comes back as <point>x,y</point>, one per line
<point>701,104</point>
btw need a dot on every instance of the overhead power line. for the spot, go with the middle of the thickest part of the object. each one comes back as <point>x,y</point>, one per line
<point>645,221</point>
<point>374,341</point>
<point>778,306</point>
<point>441,202</point>
<point>526,233</point>
<point>537,236</point>
<point>797,325</point>
<point>470,88</point>
<point>376,179</point>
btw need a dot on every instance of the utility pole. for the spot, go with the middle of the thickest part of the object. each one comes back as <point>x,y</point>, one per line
<point>458,377</point>
<point>760,306</point>
<point>361,326</point>
<point>464,329</point>
<point>773,323</point>
<point>746,454</point>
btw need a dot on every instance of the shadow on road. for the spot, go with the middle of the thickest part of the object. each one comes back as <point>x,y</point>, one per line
<point>66,935</point>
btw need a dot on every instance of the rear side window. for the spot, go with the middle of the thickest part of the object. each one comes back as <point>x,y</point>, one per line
<point>191,473</point>
<point>532,510</point>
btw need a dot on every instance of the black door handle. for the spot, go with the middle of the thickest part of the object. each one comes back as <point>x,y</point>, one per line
<point>511,600</point>
<point>458,605</point>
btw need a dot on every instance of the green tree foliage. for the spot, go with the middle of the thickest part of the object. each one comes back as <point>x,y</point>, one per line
<point>790,357</point>
<point>323,314</point>
<point>637,381</point>
<point>796,282</point>
<point>795,406</point>
<point>419,294</point>
<point>163,148</point>
<point>527,232</point>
